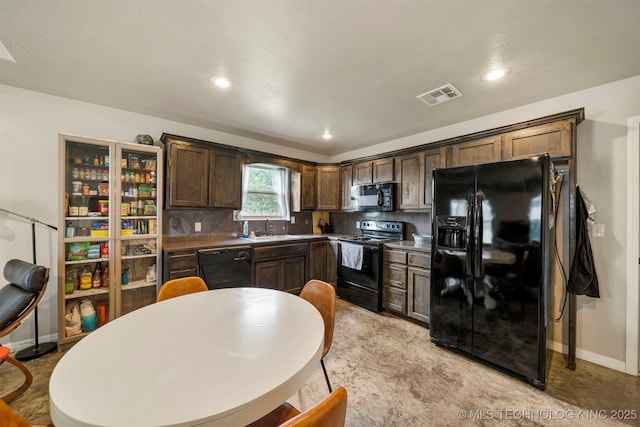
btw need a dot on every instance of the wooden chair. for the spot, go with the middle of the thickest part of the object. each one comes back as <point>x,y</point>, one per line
<point>10,418</point>
<point>331,412</point>
<point>323,297</point>
<point>27,285</point>
<point>182,286</point>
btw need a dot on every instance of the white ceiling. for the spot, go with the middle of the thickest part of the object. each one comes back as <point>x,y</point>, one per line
<point>353,67</point>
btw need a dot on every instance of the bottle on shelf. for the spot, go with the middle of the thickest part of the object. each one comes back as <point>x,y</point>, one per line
<point>105,277</point>
<point>97,276</point>
<point>70,282</point>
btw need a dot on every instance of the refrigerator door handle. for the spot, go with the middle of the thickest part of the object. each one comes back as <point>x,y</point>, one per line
<point>468,238</point>
<point>478,236</point>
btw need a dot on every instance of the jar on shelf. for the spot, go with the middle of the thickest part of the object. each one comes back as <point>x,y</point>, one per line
<point>70,281</point>
<point>86,278</point>
<point>74,206</point>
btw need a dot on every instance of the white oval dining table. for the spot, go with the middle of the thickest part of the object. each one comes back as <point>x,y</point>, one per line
<point>224,357</point>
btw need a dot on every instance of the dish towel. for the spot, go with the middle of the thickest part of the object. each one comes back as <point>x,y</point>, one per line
<point>351,256</point>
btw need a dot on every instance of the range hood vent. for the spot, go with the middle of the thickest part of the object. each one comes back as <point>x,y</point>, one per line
<point>438,96</point>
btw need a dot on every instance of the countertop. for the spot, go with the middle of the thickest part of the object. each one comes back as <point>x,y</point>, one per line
<point>408,244</point>
<point>209,241</point>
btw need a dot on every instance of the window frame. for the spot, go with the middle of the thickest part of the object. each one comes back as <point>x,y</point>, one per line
<point>283,195</point>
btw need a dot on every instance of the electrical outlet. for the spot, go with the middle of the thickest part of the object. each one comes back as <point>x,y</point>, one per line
<point>198,226</point>
<point>235,215</point>
<point>293,220</point>
<point>357,224</point>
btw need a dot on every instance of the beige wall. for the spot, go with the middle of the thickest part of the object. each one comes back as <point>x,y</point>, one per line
<point>30,123</point>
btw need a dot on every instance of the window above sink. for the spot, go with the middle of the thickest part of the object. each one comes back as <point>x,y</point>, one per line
<point>265,192</point>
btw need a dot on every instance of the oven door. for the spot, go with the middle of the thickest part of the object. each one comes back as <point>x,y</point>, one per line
<point>369,273</point>
<point>361,286</point>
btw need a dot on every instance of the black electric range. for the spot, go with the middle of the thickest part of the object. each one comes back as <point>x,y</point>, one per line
<point>360,262</point>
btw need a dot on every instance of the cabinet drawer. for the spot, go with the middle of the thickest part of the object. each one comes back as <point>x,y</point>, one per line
<point>397,274</point>
<point>399,257</point>
<point>281,251</point>
<point>419,259</point>
<point>176,274</point>
<point>182,261</point>
<point>394,299</point>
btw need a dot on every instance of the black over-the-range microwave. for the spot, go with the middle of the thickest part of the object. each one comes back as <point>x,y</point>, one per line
<point>373,197</point>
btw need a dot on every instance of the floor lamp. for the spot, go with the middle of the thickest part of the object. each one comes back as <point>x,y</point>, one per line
<point>38,349</point>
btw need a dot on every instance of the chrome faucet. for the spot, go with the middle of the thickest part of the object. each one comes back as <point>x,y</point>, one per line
<point>268,227</point>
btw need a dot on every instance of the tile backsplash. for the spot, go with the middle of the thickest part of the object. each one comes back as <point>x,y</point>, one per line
<point>218,221</point>
<point>345,222</point>
<point>177,222</point>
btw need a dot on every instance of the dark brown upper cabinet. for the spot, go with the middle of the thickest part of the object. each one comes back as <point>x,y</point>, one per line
<point>485,150</point>
<point>225,186</point>
<point>346,173</point>
<point>308,185</point>
<point>187,175</point>
<point>552,138</point>
<point>199,176</point>
<point>329,187</point>
<point>374,171</point>
<point>415,174</point>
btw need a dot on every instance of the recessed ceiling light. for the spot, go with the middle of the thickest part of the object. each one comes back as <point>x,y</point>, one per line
<point>327,135</point>
<point>221,82</point>
<point>496,74</point>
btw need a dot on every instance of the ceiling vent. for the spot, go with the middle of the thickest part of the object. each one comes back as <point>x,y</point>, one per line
<point>440,95</point>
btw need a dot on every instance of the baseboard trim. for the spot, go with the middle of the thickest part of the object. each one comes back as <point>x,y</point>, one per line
<point>588,356</point>
<point>17,346</point>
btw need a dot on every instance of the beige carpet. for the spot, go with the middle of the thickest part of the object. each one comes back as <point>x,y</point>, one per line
<point>395,377</point>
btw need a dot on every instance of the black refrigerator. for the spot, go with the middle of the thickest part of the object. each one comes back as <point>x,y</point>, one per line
<point>490,264</point>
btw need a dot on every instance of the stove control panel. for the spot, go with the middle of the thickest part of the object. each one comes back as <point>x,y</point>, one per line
<point>391,226</point>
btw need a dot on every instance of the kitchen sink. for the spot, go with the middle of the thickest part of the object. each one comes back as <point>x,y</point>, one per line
<point>275,238</point>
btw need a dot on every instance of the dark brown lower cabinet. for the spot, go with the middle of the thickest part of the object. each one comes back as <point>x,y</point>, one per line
<point>418,284</point>
<point>332,262</point>
<point>406,283</point>
<point>323,257</point>
<point>318,260</point>
<point>280,267</point>
<point>179,264</point>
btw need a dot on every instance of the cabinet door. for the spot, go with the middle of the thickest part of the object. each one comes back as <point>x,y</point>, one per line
<point>86,233</point>
<point>293,270</point>
<point>318,260</point>
<point>346,173</point>
<point>484,150</point>
<point>138,232</point>
<point>383,170</point>
<point>554,138</point>
<point>328,187</point>
<point>363,173</point>
<point>110,230</point>
<point>308,188</point>
<point>411,173</point>
<point>226,179</point>
<point>267,274</point>
<point>394,299</point>
<point>433,159</point>
<point>188,175</point>
<point>418,293</point>
<point>332,262</point>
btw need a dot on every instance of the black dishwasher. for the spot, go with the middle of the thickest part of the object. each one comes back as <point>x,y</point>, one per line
<point>225,267</point>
